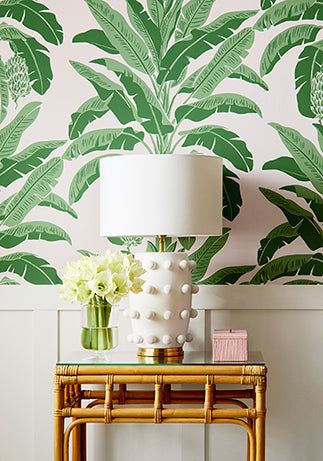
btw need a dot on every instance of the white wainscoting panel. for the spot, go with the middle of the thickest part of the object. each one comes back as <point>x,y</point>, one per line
<point>285,323</point>
<point>16,386</point>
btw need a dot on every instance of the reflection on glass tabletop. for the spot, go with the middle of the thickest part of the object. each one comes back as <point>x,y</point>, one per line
<point>116,357</point>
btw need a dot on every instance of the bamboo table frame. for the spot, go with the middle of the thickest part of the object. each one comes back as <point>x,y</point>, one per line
<point>111,405</point>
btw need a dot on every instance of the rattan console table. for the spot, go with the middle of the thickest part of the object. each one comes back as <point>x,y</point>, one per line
<point>162,404</point>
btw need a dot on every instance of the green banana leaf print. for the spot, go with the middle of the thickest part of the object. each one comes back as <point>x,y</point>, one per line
<point>303,221</point>
<point>287,266</point>
<point>308,68</point>
<point>285,41</point>
<point>29,65</point>
<point>32,268</point>
<point>163,77</point>
<point>40,175</point>
<point>309,64</point>
<point>141,78</point>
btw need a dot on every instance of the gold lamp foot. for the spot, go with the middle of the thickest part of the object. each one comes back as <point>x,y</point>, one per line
<point>160,353</point>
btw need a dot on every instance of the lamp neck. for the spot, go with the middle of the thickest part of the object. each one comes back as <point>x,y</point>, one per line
<point>161,240</point>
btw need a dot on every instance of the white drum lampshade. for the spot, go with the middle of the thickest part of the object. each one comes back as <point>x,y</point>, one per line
<point>173,195</point>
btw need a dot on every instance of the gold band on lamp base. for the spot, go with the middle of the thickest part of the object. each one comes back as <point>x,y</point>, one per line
<point>155,352</point>
<point>159,360</point>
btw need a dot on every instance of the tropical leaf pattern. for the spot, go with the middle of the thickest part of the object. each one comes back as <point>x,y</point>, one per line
<point>4,91</point>
<point>305,154</point>
<point>27,160</point>
<point>36,17</point>
<point>310,62</point>
<point>83,179</point>
<point>113,138</point>
<point>183,51</point>
<point>226,102</point>
<point>166,77</point>
<point>10,135</point>
<point>203,255</point>
<point>285,41</point>
<point>89,111</point>
<point>192,16</point>
<point>221,142</point>
<point>32,268</point>
<point>276,239</point>
<point>287,10</point>
<point>96,37</point>
<point>129,44</point>
<point>227,275</point>
<point>286,266</point>
<point>298,217</point>
<point>33,230</point>
<point>247,74</point>
<point>56,202</point>
<point>228,57</point>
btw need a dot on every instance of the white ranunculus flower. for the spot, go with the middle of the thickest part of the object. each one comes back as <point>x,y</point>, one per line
<point>84,293</point>
<point>109,276</point>
<point>71,271</point>
<point>68,290</point>
<point>102,284</point>
<point>122,282</point>
<point>136,269</point>
<point>137,285</point>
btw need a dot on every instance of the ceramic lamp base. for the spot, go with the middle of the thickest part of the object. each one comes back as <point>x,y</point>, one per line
<point>161,313</point>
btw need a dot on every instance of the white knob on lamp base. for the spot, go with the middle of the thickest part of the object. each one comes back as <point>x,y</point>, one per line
<point>152,339</point>
<point>181,339</point>
<point>150,264</point>
<point>168,315</point>
<point>186,288</point>
<point>195,289</point>
<point>134,314</point>
<point>150,315</point>
<point>194,313</point>
<point>167,340</point>
<point>148,289</point>
<point>189,337</point>
<point>185,314</point>
<point>137,339</point>
<point>192,265</point>
<point>168,264</point>
<point>183,264</point>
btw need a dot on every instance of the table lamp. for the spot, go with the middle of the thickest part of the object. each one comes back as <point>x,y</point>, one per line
<point>161,195</point>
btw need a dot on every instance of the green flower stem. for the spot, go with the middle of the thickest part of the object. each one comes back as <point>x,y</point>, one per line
<point>96,335</point>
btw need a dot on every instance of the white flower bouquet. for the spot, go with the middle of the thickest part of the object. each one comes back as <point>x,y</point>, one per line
<point>99,282</point>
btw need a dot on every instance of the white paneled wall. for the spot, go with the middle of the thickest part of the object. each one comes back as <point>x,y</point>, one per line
<point>285,323</point>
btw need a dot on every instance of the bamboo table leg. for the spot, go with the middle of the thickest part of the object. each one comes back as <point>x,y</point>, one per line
<point>260,419</point>
<point>76,434</point>
<point>83,442</point>
<point>58,420</point>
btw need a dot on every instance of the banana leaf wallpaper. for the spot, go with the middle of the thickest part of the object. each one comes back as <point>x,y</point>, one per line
<point>83,79</point>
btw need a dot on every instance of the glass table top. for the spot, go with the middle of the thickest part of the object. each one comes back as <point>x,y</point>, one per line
<point>116,357</point>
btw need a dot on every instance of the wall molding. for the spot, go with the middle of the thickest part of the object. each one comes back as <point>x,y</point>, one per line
<point>212,297</point>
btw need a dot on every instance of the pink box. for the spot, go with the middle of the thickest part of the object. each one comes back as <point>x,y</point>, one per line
<point>230,346</point>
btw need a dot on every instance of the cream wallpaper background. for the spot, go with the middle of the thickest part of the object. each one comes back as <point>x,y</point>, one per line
<point>257,216</point>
